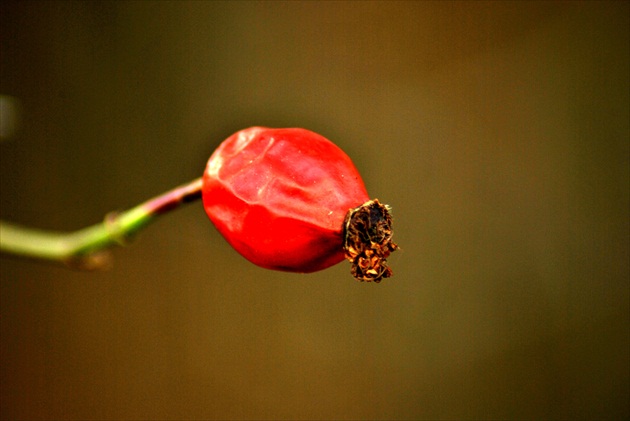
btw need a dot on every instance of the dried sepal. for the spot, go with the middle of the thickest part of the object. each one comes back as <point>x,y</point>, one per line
<point>368,241</point>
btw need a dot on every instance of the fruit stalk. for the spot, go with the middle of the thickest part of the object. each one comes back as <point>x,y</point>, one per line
<point>85,248</point>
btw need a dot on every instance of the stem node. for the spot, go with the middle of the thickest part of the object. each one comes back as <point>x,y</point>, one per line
<point>85,249</point>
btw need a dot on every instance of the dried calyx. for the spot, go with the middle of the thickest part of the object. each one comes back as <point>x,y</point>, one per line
<point>368,241</point>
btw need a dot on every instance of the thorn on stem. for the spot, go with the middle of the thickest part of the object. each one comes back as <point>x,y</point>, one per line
<point>101,260</point>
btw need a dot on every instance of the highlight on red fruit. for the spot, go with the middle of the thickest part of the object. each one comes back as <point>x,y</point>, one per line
<point>291,200</point>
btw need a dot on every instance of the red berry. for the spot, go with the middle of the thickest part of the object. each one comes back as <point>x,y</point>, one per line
<point>283,199</point>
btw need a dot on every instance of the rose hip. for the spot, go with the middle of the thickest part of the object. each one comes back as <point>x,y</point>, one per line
<point>290,199</point>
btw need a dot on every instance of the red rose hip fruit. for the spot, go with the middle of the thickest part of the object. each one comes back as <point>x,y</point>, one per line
<point>290,199</point>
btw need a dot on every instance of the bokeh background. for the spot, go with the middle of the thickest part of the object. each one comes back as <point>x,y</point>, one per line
<point>498,131</point>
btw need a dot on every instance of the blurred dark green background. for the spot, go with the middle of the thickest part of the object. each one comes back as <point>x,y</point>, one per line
<point>499,132</point>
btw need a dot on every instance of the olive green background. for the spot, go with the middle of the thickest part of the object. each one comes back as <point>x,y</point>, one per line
<point>498,132</point>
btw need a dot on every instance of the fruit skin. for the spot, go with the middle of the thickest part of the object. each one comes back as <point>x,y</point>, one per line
<point>280,197</point>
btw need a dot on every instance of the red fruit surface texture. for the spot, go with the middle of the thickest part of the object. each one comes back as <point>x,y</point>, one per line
<point>280,196</point>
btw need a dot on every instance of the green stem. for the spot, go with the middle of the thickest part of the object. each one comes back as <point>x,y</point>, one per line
<point>86,248</point>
